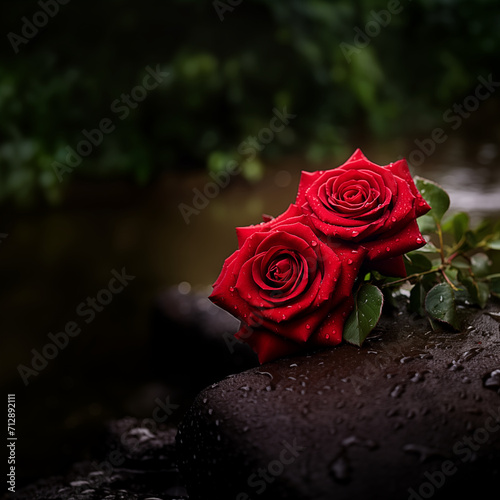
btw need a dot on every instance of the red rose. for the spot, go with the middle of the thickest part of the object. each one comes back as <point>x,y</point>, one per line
<point>375,206</point>
<point>287,286</point>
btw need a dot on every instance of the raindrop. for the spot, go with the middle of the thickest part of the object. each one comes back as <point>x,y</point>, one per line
<point>397,391</point>
<point>308,326</point>
<point>470,353</point>
<point>231,289</point>
<point>419,240</point>
<point>349,261</point>
<point>314,243</point>
<point>340,469</point>
<point>492,380</point>
<point>423,452</point>
<point>387,249</point>
<point>327,336</point>
<point>411,413</point>
<point>494,315</point>
<point>455,366</point>
<point>405,359</point>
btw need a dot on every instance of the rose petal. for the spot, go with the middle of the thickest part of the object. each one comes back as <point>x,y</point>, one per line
<point>330,331</point>
<point>400,168</point>
<point>357,155</point>
<point>289,215</point>
<point>408,239</point>
<point>394,267</point>
<point>267,345</point>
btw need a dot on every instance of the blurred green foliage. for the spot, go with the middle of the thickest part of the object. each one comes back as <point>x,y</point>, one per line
<point>225,78</point>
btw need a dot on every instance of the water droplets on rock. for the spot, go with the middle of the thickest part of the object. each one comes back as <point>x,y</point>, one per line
<point>492,380</point>
<point>423,452</point>
<point>397,391</point>
<point>340,469</point>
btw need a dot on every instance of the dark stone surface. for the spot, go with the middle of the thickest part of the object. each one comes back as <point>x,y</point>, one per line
<point>135,463</point>
<point>192,340</point>
<point>390,420</point>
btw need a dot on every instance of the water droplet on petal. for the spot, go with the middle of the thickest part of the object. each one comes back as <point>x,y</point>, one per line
<point>231,289</point>
<point>419,240</point>
<point>349,261</point>
<point>314,243</point>
<point>387,249</point>
<point>308,326</point>
<point>327,336</point>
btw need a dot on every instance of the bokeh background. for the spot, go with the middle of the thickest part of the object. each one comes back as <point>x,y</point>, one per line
<point>378,75</point>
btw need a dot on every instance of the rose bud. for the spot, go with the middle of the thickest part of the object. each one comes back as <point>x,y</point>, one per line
<point>289,289</point>
<point>375,206</point>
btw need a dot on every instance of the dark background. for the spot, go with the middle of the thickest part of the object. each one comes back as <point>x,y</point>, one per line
<point>120,206</point>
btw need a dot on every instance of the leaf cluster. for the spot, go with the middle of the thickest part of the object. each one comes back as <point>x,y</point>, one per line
<point>454,268</point>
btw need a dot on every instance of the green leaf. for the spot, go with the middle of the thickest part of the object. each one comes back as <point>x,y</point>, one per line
<point>457,224</point>
<point>483,294</point>
<point>426,224</point>
<point>494,245</point>
<point>436,197</point>
<point>367,311</point>
<point>416,263</point>
<point>417,298</point>
<point>494,284</point>
<point>485,230</point>
<point>477,292</point>
<point>480,263</point>
<point>440,304</point>
<point>461,263</point>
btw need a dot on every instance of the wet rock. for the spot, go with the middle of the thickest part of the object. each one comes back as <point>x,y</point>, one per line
<point>192,340</point>
<point>355,423</point>
<point>135,463</point>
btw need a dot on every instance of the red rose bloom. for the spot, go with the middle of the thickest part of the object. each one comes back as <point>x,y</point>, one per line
<point>375,206</point>
<point>288,287</point>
